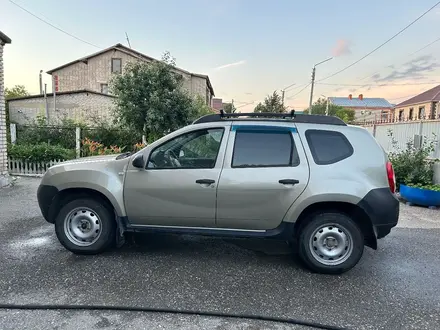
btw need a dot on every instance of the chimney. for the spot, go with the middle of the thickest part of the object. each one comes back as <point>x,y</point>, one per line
<point>350,96</point>
<point>361,97</point>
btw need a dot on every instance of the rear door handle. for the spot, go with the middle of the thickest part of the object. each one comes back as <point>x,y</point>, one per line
<point>205,181</point>
<point>288,181</point>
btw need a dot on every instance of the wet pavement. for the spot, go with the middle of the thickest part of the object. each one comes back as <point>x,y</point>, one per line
<point>395,287</point>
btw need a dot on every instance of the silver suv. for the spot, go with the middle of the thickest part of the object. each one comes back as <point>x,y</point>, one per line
<point>314,181</point>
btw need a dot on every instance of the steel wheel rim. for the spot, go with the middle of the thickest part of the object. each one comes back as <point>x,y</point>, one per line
<point>331,244</point>
<point>82,226</point>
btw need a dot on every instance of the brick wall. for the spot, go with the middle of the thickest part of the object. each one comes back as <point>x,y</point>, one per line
<point>83,107</point>
<point>3,142</point>
<point>97,71</point>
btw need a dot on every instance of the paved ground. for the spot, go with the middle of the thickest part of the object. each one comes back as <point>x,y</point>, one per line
<point>395,287</point>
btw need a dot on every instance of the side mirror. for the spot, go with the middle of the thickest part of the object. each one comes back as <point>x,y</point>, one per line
<point>138,161</point>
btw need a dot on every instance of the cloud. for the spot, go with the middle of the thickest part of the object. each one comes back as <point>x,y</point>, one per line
<point>230,65</point>
<point>341,48</point>
<point>415,69</point>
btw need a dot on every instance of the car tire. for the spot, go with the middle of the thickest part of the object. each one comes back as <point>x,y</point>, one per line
<point>86,226</point>
<point>330,243</point>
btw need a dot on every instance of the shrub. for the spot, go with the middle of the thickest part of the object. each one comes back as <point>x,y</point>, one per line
<point>41,152</point>
<point>63,134</point>
<point>412,166</point>
<point>109,136</point>
<point>93,148</point>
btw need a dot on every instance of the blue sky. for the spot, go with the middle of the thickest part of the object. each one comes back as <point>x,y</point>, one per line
<point>248,48</point>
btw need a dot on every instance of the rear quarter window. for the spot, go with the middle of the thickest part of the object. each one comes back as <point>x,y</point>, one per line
<point>328,147</point>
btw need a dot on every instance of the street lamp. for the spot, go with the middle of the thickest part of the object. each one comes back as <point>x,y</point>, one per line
<point>313,82</point>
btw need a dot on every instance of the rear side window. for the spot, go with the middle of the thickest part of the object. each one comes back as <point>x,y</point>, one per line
<point>264,149</point>
<point>328,147</point>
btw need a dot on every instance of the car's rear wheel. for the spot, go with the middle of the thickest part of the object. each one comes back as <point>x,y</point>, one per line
<point>330,243</point>
<point>85,226</point>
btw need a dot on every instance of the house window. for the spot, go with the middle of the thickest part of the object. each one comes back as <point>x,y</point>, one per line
<point>421,112</point>
<point>116,65</point>
<point>104,88</point>
<point>401,114</point>
<point>411,113</point>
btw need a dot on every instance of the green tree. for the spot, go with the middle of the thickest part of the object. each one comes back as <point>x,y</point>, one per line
<point>319,108</point>
<point>10,93</point>
<point>272,103</point>
<point>229,108</point>
<point>16,91</point>
<point>150,99</point>
<point>200,108</point>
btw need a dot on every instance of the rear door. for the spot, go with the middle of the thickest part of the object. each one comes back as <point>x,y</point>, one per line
<point>264,172</point>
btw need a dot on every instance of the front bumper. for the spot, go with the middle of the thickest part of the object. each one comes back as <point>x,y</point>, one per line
<point>45,197</point>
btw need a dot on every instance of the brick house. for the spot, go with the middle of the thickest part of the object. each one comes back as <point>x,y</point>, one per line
<point>371,108</point>
<point>81,87</point>
<point>4,39</point>
<point>422,106</point>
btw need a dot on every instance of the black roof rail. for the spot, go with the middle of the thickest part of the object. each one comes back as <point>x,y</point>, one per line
<point>271,116</point>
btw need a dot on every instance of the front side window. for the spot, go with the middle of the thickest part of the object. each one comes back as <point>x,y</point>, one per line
<point>264,149</point>
<point>196,149</point>
<point>116,65</point>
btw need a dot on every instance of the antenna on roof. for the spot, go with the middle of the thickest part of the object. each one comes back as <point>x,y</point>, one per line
<point>128,40</point>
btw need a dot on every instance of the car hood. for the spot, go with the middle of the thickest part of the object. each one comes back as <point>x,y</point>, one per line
<point>94,162</point>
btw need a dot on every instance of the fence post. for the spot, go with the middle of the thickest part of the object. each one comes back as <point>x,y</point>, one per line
<point>78,142</point>
<point>13,130</point>
<point>374,130</point>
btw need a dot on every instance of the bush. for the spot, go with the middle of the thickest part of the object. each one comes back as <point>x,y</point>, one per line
<point>63,134</point>
<point>93,148</point>
<point>41,152</point>
<point>110,136</point>
<point>412,166</point>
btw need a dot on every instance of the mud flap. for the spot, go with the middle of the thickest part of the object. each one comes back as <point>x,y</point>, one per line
<point>120,230</point>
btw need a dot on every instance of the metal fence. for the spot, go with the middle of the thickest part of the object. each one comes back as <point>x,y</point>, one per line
<point>403,132</point>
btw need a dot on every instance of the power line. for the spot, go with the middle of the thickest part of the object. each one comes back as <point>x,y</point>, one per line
<point>380,85</point>
<point>413,53</point>
<point>381,45</point>
<point>243,105</point>
<point>302,89</point>
<point>403,97</point>
<point>55,27</point>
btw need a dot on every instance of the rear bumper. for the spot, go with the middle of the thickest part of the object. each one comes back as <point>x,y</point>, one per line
<point>45,196</point>
<point>382,207</point>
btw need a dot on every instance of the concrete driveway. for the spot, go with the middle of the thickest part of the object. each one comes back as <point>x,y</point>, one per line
<point>395,287</point>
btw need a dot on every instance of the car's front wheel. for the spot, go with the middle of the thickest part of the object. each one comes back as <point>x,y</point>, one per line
<point>330,243</point>
<point>85,226</point>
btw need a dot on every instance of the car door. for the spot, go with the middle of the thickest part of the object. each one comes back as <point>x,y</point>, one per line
<point>178,185</point>
<point>265,171</point>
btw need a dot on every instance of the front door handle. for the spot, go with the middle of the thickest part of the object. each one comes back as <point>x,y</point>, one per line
<point>205,181</point>
<point>288,181</point>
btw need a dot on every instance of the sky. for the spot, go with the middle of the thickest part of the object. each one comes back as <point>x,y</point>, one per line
<point>249,48</point>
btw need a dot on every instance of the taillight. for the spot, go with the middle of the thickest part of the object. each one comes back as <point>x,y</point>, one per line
<point>391,177</point>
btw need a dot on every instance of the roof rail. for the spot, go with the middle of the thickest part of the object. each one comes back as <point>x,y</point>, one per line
<point>271,116</point>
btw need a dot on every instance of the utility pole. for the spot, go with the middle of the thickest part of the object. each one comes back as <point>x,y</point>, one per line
<point>282,97</point>
<point>128,40</point>
<point>311,90</point>
<point>326,107</point>
<point>232,106</point>
<point>41,82</point>
<point>54,94</point>
<point>46,105</point>
<point>313,83</point>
